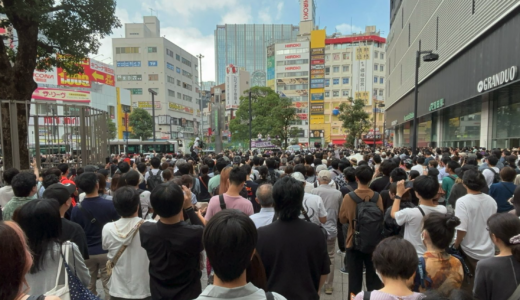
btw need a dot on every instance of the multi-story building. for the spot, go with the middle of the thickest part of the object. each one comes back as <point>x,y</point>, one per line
<point>145,60</point>
<point>244,45</point>
<point>470,96</point>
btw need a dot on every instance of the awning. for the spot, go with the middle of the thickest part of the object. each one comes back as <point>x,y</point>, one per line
<point>338,142</point>
<point>371,142</point>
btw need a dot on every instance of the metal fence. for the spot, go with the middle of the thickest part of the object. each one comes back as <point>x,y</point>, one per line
<point>56,133</point>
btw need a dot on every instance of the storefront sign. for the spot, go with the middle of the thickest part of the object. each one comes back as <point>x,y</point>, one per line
<point>317,51</point>
<point>318,56</point>
<point>232,91</point>
<point>302,117</point>
<point>317,62</point>
<point>317,109</point>
<point>180,108</point>
<point>436,104</point>
<point>498,79</point>
<point>148,105</point>
<point>317,85</point>
<point>408,117</point>
<point>317,76</point>
<point>317,97</point>
<point>293,56</point>
<point>317,133</point>
<point>298,133</point>
<point>317,67</point>
<point>318,72</point>
<point>61,95</point>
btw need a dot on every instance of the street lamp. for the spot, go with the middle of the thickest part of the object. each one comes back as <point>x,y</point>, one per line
<point>429,57</point>
<point>375,110</point>
<point>154,93</point>
<point>127,110</point>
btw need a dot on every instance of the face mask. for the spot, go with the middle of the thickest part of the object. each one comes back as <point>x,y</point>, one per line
<point>422,236</point>
<point>379,275</point>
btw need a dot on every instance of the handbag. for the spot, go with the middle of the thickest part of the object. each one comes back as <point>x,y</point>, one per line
<point>72,289</point>
<point>111,263</point>
<point>321,227</point>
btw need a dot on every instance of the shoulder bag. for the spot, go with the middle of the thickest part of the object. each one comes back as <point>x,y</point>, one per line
<point>111,263</point>
<point>309,220</point>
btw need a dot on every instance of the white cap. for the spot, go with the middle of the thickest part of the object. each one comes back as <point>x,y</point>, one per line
<point>325,175</point>
<point>298,176</point>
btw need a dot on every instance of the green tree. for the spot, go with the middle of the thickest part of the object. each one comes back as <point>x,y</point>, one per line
<point>271,115</point>
<point>354,118</point>
<point>142,124</point>
<point>112,129</point>
<point>45,28</point>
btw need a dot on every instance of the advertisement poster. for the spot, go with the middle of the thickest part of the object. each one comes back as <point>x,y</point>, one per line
<point>61,95</point>
<point>148,105</point>
<point>292,81</point>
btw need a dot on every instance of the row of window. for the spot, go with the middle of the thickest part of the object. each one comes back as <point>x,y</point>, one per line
<point>381,92</point>
<point>179,83</point>
<point>186,62</point>
<point>292,62</point>
<point>291,51</point>
<point>171,93</point>
<point>344,93</point>
<point>293,87</point>
<point>292,74</point>
<point>381,79</point>
<point>335,69</point>
<point>187,74</point>
<point>379,67</point>
<point>349,45</point>
<point>127,50</point>
<point>336,81</point>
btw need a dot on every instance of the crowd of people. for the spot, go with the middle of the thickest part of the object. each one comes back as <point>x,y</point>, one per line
<point>441,224</point>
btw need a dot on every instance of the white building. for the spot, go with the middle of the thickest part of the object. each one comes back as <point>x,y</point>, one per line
<point>145,60</point>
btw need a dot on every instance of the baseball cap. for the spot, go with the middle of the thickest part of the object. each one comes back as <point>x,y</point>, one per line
<point>321,167</point>
<point>325,175</point>
<point>60,192</point>
<point>298,176</point>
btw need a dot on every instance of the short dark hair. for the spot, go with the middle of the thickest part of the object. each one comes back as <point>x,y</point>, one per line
<point>387,167</point>
<point>167,199</point>
<point>350,174</point>
<point>440,228</point>
<point>421,160</point>
<point>335,163</point>
<point>132,178</point>
<point>228,259</point>
<point>141,167</point>
<point>508,174</point>
<point>414,174</point>
<point>504,227</point>
<point>126,201</point>
<point>246,168</point>
<point>492,160</point>
<point>474,180</point>
<point>288,197</point>
<point>343,164</point>
<point>87,182</point>
<point>9,174</point>
<point>184,169</point>
<point>309,159</point>
<point>63,168</point>
<point>23,184</point>
<point>155,162</point>
<point>50,180</point>
<point>395,258</point>
<point>453,165</point>
<point>377,158</point>
<point>221,164</point>
<point>270,163</point>
<point>237,176</point>
<point>364,174</point>
<point>398,174</point>
<point>426,186</point>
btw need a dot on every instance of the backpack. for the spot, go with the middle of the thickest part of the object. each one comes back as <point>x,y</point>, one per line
<point>368,224</point>
<point>273,176</point>
<point>496,178</point>
<point>154,180</point>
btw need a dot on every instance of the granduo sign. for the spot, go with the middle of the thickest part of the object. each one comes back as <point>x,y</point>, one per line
<point>498,79</point>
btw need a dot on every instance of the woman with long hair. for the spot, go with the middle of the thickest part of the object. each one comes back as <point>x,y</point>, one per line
<point>263,172</point>
<point>114,183</point>
<point>224,181</point>
<point>498,277</point>
<point>15,262</point>
<point>40,220</point>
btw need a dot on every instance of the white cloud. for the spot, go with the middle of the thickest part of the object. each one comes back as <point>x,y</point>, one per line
<point>265,16</point>
<point>189,8</point>
<point>348,29</point>
<point>238,15</point>
<point>279,8</point>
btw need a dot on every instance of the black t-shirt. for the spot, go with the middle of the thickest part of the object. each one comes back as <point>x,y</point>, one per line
<point>345,190</point>
<point>71,231</point>
<point>251,187</point>
<point>294,254</point>
<point>380,184</point>
<point>174,254</point>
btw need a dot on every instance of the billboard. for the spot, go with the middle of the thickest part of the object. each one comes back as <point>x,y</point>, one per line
<point>318,72</point>
<point>316,51</point>
<point>362,69</point>
<point>306,10</point>
<point>317,109</point>
<point>317,61</point>
<point>317,97</point>
<point>271,66</point>
<point>232,91</point>
<point>317,67</point>
<point>46,77</point>
<point>292,81</point>
<point>61,95</point>
<point>180,108</point>
<point>148,105</point>
<point>317,85</point>
<point>317,76</point>
<point>102,73</point>
<point>93,71</point>
<point>294,93</point>
<point>363,53</point>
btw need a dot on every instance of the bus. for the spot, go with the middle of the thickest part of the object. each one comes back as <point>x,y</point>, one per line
<point>163,146</point>
<point>47,149</point>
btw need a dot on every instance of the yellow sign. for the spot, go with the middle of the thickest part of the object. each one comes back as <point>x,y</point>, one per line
<point>319,119</point>
<point>180,108</point>
<point>148,104</point>
<point>363,96</point>
<point>362,53</point>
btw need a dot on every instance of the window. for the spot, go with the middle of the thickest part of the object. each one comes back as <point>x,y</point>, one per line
<point>381,92</point>
<point>178,82</point>
<point>178,70</point>
<point>152,49</point>
<point>187,74</point>
<point>327,94</point>
<point>335,81</point>
<point>381,80</point>
<point>376,54</point>
<point>187,98</point>
<point>375,92</point>
<point>335,69</point>
<point>381,68</point>
<point>335,93</point>
<point>137,91</point>
<point>376,67</point>
<point>375,79</point>
<point>45,109</point>
<point>346,80</point>
<point>170,66</point>
<point>346,68</point>
<point>125,50</point>
<point>292,62</point>
<point>187,86</point>
<point>153,77</point>
<point>171,93</point>
<point>170,79</point>
<point>336,56</point>
<point>179,95</point>
<point>169,52</point>
<point>382,55</point>
<point>327,82</point>
<point>345,93</point>
<point>129,77</point>
<point>346,56</point>
<point>178,57</point>
<point>327,56</point>
<point>186,62</point>
<point>327,70</point>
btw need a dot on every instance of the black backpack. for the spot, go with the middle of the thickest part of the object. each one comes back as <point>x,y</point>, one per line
<point>368,225</point>
<point>496,178</point>
<point>154,180</point>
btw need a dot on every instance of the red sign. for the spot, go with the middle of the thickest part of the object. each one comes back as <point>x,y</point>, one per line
<point>318,62</point>
<point>295,56</point>
<point>77,80</point>
<point>302,116</point>
<point>293,68</point>
<point>293,45</point>
<point>102,73</point>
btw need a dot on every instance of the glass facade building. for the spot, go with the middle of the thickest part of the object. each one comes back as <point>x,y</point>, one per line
<point>244,45</point>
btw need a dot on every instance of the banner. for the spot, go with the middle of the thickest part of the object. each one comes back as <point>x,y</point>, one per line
<point>300,104</point>
<point>317,76</point>
<point>232,91</point>
<point>61,95</point>
<point>102,73</point>
<point>317,51</point>
<point>180,108</point>
<point>77,80</point>
<point>317,109</point>
<point>257,144</point>
<point>317,61</point>
<point>317,97</point>
<point>46,77</point>
<point>148,105</point>
<point>293,81</point>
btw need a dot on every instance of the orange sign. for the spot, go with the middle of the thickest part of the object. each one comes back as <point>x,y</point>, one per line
<point>77,80</point>
<point>93,71</point>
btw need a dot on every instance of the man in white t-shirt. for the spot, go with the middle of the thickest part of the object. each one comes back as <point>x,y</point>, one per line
<point>419,166</point>
<point>312,204</point>
<point>425,188</point>
<point>488,173</point>
<point>473,210</point>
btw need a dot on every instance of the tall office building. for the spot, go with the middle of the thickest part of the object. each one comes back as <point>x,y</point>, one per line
<point>144,60</point>
<point>244,45</point>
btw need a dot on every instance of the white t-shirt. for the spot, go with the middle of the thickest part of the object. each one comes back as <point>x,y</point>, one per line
<point>418,168</point>
<point>473,212</point>
<point>488,174</point>
<point>313,205</point>
<point>154,172</point>
<point>412,218</point>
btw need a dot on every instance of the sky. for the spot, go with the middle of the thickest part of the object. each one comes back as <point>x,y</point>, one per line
<point>191,23</point>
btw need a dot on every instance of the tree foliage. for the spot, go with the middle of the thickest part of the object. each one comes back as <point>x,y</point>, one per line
<point>112,129</point>
<point>355,119</point>
<point>271,113</point>
<point>142,124</point>
<point>49,33</point>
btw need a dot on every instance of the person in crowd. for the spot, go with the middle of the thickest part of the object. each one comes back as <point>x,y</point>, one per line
<point>425,188</point>
<point>40,220</point>
<point>70,231</point>
<point>458,189</point>
<point>172,245</point>
<point>449,181</point>
<point>16,257</point>
<point>443,162</point>
<point>395,262</point>
<point>332,199</point>
<point>114,184</point>
<point>504,190</point>
<point>291,239</point>
<point>231,196</point>
<point>155,162</point>
<point>92,214</point>
<point>128,279</point>
<point>473,210</point>
<point>406,165</point>
<point>350,177</point>
<point>204,181</point>
<point>24,189</point>
<point>141,168</point>
<point>383,182</point>
<point>215,180</point>
<point>6,192</point>
<point>64,179</point>
<point>486,165</point>
<point>497,277</point>
<point>132,180</point>
<point>492,169</point>
<point>264,196</point>
<point>263,174</point>
<point>396,175</point>
<point>312,204</point>
<point>124,166</point>
<point>230,260</point>
<point>419,164</point>
<point>167,174</point>
<point>442,271</point>
<point>251,188</point>
<point>355,259</point>
<point>515,201</point>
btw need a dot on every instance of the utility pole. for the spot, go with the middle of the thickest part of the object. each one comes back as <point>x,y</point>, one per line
<point>154,93</point>
<point>200,57</point>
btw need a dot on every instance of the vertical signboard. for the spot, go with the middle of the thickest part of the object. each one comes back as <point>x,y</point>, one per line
<point>306,10</point>
<point>232,88</point>
<point>270,66</point>
<point>362,81</point>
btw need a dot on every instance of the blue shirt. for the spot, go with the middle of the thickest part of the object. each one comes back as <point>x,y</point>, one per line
<point>501,192</point>
<point>264,217</point>
<point>100,209</point>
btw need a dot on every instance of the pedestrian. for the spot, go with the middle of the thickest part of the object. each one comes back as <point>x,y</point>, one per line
<point>264,196</point>
<point>504,190</point>
<point>6,192</point>
<point>24,190</point>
